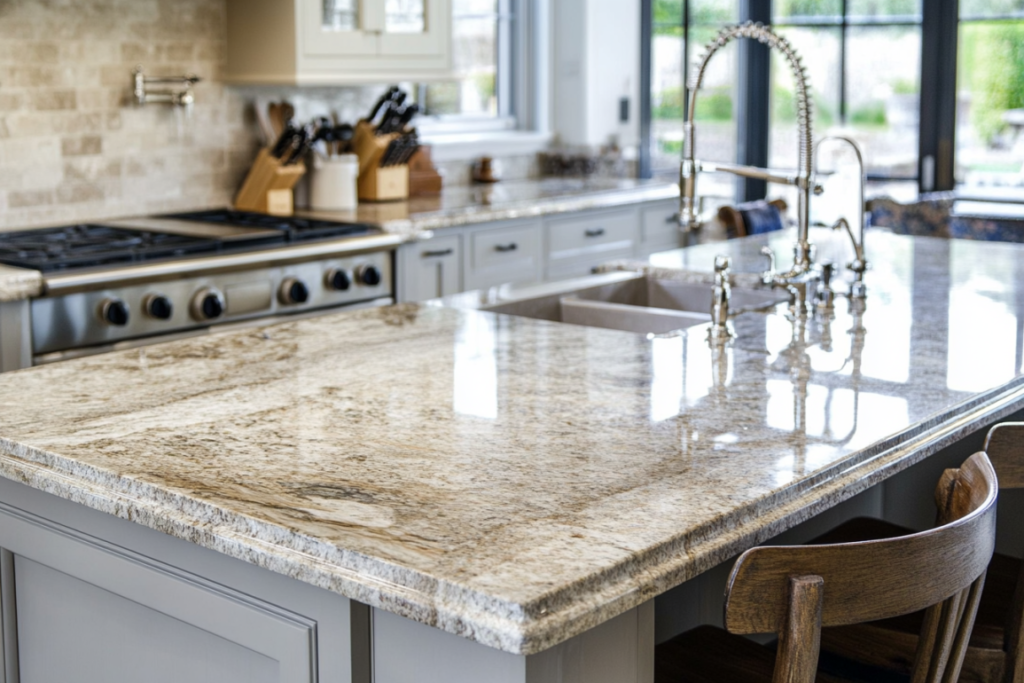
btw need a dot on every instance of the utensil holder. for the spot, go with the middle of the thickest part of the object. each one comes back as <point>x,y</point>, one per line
<point>377,183</point>
<point>268,186</point>
<point>333,183</point>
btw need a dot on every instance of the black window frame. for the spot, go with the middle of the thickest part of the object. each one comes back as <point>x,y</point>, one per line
<point>939,22</point>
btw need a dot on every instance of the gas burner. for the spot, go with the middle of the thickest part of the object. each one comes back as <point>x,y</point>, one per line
<point>295,228</point>
<point>87,245</point>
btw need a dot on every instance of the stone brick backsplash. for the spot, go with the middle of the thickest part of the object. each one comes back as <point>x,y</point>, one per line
<point>74,148</point>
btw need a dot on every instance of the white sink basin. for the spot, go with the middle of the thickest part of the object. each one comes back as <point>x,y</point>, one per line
<point>644,305</point>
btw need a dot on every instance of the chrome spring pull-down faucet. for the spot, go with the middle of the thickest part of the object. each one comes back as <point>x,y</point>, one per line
<point>802,179</point>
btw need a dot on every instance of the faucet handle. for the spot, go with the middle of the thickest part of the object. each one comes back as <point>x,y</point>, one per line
<point>825,297</point>
<point>722,264</point>
<point>768,276</point>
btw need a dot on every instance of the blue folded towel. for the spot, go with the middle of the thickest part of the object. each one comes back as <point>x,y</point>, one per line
<point>760,217</point>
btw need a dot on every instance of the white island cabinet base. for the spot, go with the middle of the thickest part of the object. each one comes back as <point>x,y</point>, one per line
<point>618,651</point>
<point>91,598</point>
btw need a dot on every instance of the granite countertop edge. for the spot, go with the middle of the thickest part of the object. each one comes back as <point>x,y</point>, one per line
<point>19,283</point>
<point>421,226</point>
<point>504,624</point>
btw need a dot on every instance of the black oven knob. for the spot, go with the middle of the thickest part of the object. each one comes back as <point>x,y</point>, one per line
<point>114,312</point>
<point>369,275</point>
<point>338,280</point>
<point>158,307</point>
<point>207,304</point>
<point>293,291</point>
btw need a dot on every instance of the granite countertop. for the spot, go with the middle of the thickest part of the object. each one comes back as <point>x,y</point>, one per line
<point>514,481</point>
<point>458,206</point>
<point>19,283</point>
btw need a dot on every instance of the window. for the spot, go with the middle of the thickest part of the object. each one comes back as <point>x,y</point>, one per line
<point>864,63</point>
<point>990,94</point>
<point>680,29</point>
<point>482,45</point>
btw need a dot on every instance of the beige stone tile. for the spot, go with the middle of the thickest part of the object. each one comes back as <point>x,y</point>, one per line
<point>27,198</point>
<point>78,192</point>
<point>54,100</point>
<point>82,146</point>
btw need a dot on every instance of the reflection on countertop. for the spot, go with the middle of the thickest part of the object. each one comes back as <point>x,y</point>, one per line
<point>516,481</point>
<point>458,206</point>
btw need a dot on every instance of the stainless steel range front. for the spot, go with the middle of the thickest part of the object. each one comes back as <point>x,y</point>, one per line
<point>122,284</point>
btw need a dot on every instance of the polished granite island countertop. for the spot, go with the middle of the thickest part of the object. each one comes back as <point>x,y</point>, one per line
<point>514,481</point>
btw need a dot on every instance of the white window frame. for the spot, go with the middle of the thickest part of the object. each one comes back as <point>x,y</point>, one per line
<point>522,125</point>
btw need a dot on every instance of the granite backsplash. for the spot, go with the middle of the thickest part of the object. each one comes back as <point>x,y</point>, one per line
<point>74,148</point>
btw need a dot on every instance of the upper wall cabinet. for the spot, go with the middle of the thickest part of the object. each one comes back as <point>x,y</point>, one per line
<point>336,42</point>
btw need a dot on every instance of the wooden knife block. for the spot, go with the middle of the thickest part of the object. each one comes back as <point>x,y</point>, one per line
<point>268,186</point>
<point>376,183</point>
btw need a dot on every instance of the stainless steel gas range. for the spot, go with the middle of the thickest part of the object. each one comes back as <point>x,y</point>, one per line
<point>121,284</point>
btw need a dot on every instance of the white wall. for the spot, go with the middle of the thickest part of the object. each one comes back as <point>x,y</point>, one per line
<point>596,63</point>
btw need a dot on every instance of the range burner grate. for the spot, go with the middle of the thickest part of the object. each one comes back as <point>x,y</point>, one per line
<point>295,228</point>
<point>87,245</point>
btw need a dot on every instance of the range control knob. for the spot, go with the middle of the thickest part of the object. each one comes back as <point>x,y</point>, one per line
<point>207,304</point>
<point>114,312</point>
<point>158,307</point>
<point>369,275</point>
<point>293,291</point>
<point>337,279</point>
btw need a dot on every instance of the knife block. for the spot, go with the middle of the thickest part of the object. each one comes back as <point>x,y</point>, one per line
<point>268,186</point>
<point>377,183</point>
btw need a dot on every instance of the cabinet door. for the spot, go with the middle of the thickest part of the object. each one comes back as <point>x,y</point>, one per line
<point>338,28</point>
<point>430,269</point>
<point>85,611</point>
<point>660,227</point>
<point>415,27</point>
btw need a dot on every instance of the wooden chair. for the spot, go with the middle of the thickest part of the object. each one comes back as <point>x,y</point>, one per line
<point>793,591</point>
<point>996,647</point>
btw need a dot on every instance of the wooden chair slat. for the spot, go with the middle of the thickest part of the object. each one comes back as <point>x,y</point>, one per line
<point>800,641</point>
<point>942,562</point>
<point>1005,448</point>
<point>963,634</point>
<point>1014,643</point>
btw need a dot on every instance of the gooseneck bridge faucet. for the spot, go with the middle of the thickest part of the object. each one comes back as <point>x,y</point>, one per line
<point>803,253</point>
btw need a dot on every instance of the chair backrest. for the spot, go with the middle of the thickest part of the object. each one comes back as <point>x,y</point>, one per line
<point>1005,446</point>
<point>794,591</point>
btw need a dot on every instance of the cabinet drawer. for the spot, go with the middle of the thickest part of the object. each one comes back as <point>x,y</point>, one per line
<point>509,253</point>
<point>659,227</point>
<point>430,269</point>
<point>592,237</point>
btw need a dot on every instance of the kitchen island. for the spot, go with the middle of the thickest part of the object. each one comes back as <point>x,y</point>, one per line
<point>453,495</point>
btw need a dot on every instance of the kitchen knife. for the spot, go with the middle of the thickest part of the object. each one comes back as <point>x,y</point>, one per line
<point>284,142</point>
<point>384,99</point>
<point>299,147</point>
<point>408,112</point>
<point>388,158</point>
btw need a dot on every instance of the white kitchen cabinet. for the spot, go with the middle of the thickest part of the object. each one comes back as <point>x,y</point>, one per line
<point>430,269</point>
<point>555,247</point>
<point>311,42</point>
<point>500,253</point>
<point>659,227</point>
<point>578,243</point>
